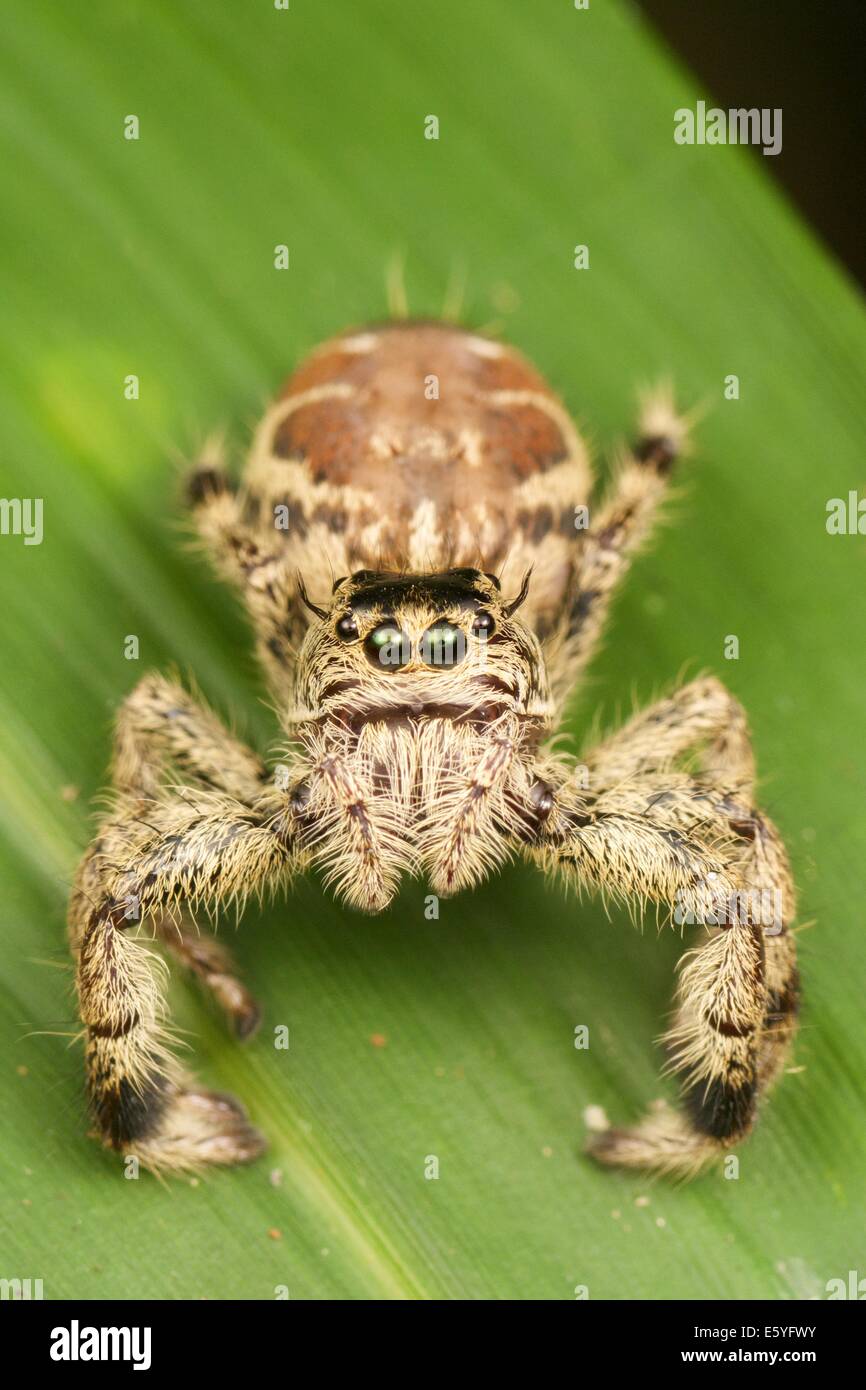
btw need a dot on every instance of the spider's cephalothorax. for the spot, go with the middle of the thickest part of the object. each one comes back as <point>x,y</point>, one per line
<point>419,704</point>
<point>410,541</point>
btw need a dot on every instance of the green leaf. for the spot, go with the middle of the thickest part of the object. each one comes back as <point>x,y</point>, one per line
<point>155,257</point>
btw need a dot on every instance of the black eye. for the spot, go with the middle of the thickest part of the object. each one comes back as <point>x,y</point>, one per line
<point>347,628</point>
<point>483,625</point>
<point>442,645</point>
<point>388,647</point>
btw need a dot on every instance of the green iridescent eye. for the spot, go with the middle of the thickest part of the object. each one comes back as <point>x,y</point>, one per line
<point>443,645</point>
<point>388,647</point>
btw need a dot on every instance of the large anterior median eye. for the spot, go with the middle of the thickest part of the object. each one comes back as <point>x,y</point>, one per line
<point>443,645</point>
<point>388,647</point>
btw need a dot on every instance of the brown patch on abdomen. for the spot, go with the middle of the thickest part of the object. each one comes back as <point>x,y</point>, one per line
<point>372,423</point>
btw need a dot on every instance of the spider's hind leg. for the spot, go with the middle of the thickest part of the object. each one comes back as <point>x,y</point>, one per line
<point>620,523</point>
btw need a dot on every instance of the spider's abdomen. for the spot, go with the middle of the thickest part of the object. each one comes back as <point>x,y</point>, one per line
<point>420,446</point>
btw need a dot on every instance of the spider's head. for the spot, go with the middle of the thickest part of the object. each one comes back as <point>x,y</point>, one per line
<point>398,647</point>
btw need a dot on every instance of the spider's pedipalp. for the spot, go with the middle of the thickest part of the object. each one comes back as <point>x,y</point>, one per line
<point>467,825</point>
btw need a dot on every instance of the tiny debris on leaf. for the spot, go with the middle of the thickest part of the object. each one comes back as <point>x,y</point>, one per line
<point>595,1119</point>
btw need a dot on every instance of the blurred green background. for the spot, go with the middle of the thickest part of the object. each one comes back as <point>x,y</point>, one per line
<point>155,257</point>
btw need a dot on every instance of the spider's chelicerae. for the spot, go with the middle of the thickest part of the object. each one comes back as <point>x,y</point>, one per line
<point>405,541</point>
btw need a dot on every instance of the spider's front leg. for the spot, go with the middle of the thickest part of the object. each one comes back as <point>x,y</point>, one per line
<point>632,843</point>
<point>161,726</point>
<point>705,717</point>
<point>183,849</point>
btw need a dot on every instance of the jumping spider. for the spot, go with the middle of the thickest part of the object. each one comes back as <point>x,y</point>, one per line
<point>419,692</point>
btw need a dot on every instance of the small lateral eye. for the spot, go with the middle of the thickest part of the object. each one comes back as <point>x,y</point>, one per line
<point>347,628</point>
<point>443,644</point>
<point>387,647</point>
<point>483,625</point>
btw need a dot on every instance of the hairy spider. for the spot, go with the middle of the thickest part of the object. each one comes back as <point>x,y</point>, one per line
<point>430,470</point>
